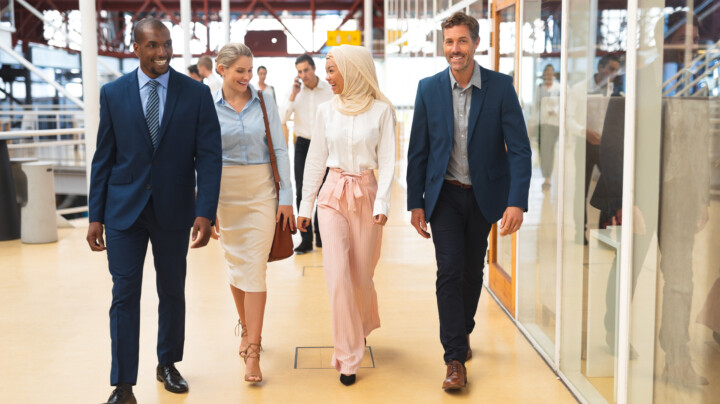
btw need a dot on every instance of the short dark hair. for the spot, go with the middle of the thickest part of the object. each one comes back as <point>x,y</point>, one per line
<point>608,58</point>
<point>192,69</point>
<point>460,18</point>
<point>305,58</point>
<point>146,23</point>
<point>261,67</point>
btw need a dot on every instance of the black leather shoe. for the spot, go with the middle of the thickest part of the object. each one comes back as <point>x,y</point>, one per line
<point>174,382</point>
<point>347,379</point>
<point>122,395</point>
<point>304,247</point>
<point>318,241</point>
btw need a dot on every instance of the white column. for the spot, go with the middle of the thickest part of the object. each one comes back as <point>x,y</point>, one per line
<point>185,25</point>
<point>225,18</point>
<point>367,17</point>
<point>91,90</point>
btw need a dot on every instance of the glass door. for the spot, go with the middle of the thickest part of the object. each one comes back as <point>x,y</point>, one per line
<point>501,256</point>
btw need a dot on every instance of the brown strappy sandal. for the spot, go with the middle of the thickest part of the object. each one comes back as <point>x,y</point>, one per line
<point>253,351</point>
<point>241,329</point>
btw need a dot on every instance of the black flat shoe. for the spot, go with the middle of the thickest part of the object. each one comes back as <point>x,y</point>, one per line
<point>304,247</point>
<point>174,382</point>
<point>347,379</point>
<point>122,395</point>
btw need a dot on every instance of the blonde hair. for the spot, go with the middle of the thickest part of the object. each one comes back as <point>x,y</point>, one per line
<point>230,53</point>
<point>361,89</point>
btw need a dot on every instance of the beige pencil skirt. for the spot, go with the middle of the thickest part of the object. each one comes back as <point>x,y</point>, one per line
<point>246,212</point>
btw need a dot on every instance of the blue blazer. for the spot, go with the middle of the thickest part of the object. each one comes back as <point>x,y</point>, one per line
<point>498,145</point>
<point>127,170</point>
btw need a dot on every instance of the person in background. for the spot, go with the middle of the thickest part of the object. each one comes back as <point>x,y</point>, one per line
<point>262,86</point>
<point>307,93</point>
<point>546,121</point>
<point>354,135</point>
<point>205,68</point>
<point>194,73</point>
<point>248,208</point>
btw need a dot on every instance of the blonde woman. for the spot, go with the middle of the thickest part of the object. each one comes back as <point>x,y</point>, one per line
<point>354,134</point>
<point>248,207</point>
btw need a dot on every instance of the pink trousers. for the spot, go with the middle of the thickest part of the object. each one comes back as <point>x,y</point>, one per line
<point>351,249</point>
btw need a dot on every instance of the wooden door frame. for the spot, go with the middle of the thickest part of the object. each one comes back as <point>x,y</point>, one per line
<point>500,281</point>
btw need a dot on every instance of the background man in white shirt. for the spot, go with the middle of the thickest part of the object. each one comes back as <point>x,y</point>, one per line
<point>205,68</point>
<point>308,91</point>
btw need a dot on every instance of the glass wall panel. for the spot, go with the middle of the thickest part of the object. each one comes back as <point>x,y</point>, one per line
<point>508,28</point>
<point>596,38</point>
<point>675,312</point>
<point>540,99</point>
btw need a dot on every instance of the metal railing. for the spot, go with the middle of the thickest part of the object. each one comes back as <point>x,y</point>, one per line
<point>687,78</point>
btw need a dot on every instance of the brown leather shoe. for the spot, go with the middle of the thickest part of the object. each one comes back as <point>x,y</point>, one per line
<point>456,378</point>
<point>469,354</point>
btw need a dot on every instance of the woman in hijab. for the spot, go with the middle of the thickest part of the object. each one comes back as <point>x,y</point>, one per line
<point>354,134</point>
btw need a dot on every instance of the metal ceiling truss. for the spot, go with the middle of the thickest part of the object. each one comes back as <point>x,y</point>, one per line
<point>113,18</point>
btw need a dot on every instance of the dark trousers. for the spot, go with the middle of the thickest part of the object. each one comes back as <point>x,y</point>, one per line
<point>126,251</point>
<point>589,154</point>
<point>302,146</point>
<point>459,232</point>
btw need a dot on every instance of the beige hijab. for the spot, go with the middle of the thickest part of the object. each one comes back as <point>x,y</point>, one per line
<point>361,86</point>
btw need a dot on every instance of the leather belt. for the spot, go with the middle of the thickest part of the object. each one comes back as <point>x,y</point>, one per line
<point>458,184</point>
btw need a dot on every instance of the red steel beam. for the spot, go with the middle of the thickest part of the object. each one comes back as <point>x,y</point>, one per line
<point>277,17</point>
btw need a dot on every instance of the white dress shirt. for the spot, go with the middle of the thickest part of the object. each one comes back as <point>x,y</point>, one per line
<point>214,82</point>
<point>305,107</point>
<point>353,144</point>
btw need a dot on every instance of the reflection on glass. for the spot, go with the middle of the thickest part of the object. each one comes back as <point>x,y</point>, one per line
<point>540,86</point>
<point>507,41</point>
<point>597,37</point>
<point>676,289</point>
<point>507,66</point>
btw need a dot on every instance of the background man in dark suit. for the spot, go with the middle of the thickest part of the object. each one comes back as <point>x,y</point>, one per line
<point>468,166</point>
<point>157,129</point>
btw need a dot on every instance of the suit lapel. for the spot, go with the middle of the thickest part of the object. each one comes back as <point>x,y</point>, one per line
<point>133,93</point>
<point>476,104</point>
<point>446,102</point>
<point>173,92</point>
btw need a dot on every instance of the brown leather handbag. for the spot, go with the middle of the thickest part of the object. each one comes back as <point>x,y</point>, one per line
<point>282,245</point>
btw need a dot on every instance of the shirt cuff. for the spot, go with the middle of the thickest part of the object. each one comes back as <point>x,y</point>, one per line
<point>306,209</point>
<point>381,208</point>
<point>286,197</point>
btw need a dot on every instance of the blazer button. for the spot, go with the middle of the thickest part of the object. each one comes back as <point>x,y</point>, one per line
<point>147,186</point>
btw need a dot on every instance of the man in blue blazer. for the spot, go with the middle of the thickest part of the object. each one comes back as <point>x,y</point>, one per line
<point>468,167</point>
<point>158,128</point>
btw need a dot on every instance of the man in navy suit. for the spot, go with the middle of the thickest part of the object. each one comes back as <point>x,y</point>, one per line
<point>158,128</point>
<point>468,167</point>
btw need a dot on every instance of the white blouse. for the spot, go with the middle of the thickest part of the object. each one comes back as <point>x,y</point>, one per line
<point>353,144</point>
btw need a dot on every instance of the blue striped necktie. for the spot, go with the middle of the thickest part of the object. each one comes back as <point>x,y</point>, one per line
<point>152,112</point>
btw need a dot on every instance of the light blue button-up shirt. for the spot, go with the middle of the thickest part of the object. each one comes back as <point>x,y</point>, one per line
<point>244,141</point>
<point>145,90</point>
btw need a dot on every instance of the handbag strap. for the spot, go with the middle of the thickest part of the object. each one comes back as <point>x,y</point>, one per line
<point>273,159</point>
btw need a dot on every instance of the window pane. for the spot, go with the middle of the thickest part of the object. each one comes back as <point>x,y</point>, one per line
<point>597,36</point>
<point>540,98</point>
<point>675,312</point>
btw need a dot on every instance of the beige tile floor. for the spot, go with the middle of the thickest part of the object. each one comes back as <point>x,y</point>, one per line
<point>55,344</point>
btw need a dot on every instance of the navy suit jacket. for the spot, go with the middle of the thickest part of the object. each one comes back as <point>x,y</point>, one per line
<point>127,170</point>
<point>498,146</point>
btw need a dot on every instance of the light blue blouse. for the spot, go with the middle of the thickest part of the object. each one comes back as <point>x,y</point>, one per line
<point>244,141</point>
